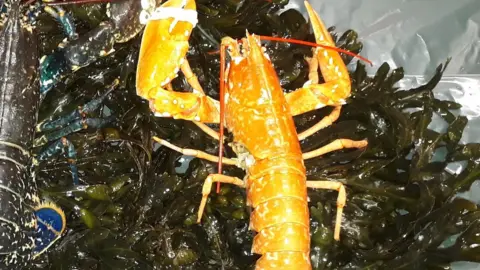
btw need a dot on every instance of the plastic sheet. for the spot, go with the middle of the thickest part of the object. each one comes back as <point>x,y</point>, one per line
<point>418,35</point>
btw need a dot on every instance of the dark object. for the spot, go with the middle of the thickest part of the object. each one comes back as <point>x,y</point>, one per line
<point>19,99</point>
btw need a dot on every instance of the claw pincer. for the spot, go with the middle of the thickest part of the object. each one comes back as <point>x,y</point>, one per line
<point>163,55</point>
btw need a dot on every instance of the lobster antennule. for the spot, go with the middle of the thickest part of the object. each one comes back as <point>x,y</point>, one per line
<point>51,224</point>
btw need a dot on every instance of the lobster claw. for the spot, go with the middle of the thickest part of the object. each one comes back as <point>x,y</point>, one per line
<point>51,223</point>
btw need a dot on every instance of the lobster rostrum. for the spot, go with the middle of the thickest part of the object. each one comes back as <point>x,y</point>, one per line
<point>28,226</point>
<point>252,100</point>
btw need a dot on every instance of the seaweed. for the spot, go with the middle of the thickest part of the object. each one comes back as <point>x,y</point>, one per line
<point>136,205</point>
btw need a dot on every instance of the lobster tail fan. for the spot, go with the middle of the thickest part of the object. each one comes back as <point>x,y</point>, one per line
<point>51,223</point>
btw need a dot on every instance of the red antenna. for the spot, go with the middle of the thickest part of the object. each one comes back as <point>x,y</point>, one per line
<point>73,2</point>
<point>222,110</point>
<point>306,43</point>
<point>301,42</point>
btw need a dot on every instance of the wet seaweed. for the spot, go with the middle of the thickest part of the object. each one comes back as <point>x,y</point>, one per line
<point>136,205</point>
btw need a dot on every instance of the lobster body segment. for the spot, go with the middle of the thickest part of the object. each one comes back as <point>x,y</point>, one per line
<point>276,177</point>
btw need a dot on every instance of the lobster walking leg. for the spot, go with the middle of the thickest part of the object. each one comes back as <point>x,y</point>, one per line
<point>65,125</point>
<point>192,79</point>
<point>207,187</point>
<point>194,152</point>
<point>323,123</point>
<point>61,146</point>
<point>74,126</point>
<point>74,121</point>
<point>334,146</point>
<point>64,19</point>
<point>341,200</point>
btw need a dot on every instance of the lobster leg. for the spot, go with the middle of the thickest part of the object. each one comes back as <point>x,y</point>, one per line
<point>77,125</point>
<point>337,81</point>
<point>334,146</point>
<point>64,19</point>
<point>58,13</point>
<point>75,121</point>
<point>63,126</point>
<point>212,178</point>
<point>61,146</point>
<point>192,79</point>
<point>341,200</point>
<point>323,123</point>
<point>193,152</point>
<point>207,187</point>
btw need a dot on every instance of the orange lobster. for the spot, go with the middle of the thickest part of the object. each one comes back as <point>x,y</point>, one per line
<point>254,108</point>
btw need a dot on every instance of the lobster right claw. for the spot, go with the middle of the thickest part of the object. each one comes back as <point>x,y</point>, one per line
<point>337,86</point>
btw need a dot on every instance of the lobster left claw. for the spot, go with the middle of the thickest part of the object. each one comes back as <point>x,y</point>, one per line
<point>51,224</point>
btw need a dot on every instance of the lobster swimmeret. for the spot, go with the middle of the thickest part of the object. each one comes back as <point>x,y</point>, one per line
<point>252,99</point>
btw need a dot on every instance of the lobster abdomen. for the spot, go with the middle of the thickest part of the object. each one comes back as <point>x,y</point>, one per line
<point>19,97</point>
<point>276,189</point>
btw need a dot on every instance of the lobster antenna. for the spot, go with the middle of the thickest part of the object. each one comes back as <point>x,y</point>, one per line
<point>74,2</point>
<point>311,44</point>
<point>222,110</point>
